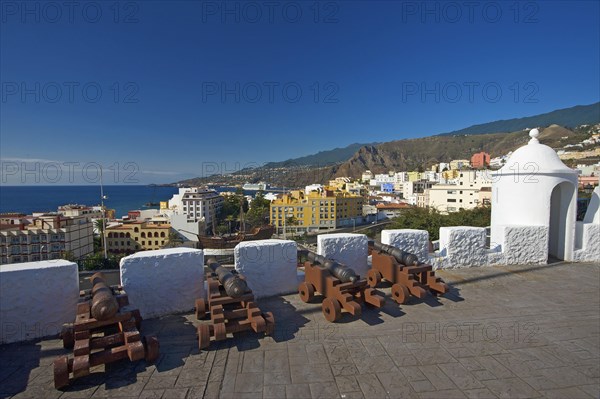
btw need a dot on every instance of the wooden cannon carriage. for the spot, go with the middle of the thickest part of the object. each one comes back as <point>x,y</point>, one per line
<point>407,275</point>
<point>340,286</point>
<point>105,330</point>
<point>231,307</point>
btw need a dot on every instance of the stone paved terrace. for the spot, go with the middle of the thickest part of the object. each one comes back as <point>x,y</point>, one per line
<point>508,332</point>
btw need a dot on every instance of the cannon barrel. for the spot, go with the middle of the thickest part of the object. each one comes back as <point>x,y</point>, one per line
<point>104,304</point>
<point>233,284</point>
<point>403,257</point>
<point>342,272</point>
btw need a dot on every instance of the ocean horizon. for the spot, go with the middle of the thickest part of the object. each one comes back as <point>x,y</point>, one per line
<point>122,198</point>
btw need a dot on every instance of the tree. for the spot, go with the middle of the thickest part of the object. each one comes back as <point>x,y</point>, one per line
<point>259,210</point>
<point>99,225</point>
<point>174,240</point>
<point>431,219</point>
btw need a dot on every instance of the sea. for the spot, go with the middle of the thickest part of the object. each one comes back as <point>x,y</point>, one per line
<point>121,198</point>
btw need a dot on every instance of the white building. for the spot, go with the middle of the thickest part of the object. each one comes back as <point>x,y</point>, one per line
<point>464,192</point>
<point>193,210</point>
<point>535,188</point>
<point>44,236</point>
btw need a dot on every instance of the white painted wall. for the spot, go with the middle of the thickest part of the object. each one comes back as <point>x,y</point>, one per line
<point>522,195</point>
<point>165,281</point>
<point>37,298</point>
<point>268,265</point>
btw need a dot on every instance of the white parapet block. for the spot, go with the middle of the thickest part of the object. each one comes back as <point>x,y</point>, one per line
<point>37,298</point>
<point>410,240</point>
<point>165,281</point>
<point>463,246</point>
<point>349,249</point>
<point>525,245</point>
<point>270,266</point>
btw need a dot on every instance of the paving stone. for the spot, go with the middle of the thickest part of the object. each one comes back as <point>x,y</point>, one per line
<point>297,391</point>
<point>446,394</point>
<point>324,390</point>
<point>437,377</point>
<point>420,386</point>
<point>343,369</point>
<point>175,393</point>
<point>249,382</point>
<point>370,386</point>
<point>593,390</point>
<point>460,376</point>
<point>571,393</point>
<point>274,391</point>
<point>150,394</point>
<point>396,387</point>
<point>480,393</point>
<point>309,373</point>
<point>347,383</point>
<point>511,388</point>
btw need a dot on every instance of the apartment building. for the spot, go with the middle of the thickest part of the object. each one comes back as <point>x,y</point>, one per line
<point>323,209</point>
<point>43,236</point>
<point>472,188</point>
<point>193,210</point>
<point>480,160</point>
<point>136,236</point>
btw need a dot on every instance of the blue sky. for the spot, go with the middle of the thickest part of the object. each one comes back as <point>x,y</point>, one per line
<point>170,90</point>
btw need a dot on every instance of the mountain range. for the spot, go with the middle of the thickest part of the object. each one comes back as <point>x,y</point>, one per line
<point>558,128</point>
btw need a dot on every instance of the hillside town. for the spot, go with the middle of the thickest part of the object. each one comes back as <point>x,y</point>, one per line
<point>196,212</point>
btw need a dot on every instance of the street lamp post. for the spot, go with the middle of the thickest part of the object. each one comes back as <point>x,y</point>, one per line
<point>102,198</point>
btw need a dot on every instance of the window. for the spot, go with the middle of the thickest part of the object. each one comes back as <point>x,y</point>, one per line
<point>143,242</point>
<point>155,242</point>
<point>162,234</point>
<point>452,200</point>
<point>451,192</point>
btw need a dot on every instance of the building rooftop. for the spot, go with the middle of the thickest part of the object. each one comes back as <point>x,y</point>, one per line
<point>516,331</point>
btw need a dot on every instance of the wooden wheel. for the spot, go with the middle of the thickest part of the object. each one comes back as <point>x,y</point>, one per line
<point>270,319</point>
<point>203,336</point>
<point>61,372</point>
<point>200,308</point>
<point>331,309</point>
<point>152,348</point>
<point>220,331</point>
<point>400,293</point>
<point>68,336</point>
<point>374,278</point>
<point>306,292</point>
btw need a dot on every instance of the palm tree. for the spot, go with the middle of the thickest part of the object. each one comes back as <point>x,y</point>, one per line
<point>99,225</point>
<point>174,240</point>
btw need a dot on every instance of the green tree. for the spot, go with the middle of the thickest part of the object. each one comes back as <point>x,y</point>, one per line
<point>258,214</point>
<point>174,240</point>
<point>431,219</point>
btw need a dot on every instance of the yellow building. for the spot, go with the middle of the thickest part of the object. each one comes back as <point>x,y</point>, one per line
<point>137,236</point>
<point>450,174</point>
<point>414,176</point>
<point>318,210</point>
<point>458,164</point>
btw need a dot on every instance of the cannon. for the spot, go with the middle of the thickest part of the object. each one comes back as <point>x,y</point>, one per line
<point>403,257</point>
<point>342,288</point>
<point>104,303</point>
<point>342,272</point>
<point>230,305</point>
<point>407,275</point>
<point>232,283</point>
<point>106,329</point>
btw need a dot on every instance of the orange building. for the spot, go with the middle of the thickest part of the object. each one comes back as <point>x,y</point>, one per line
<point>480,160</point>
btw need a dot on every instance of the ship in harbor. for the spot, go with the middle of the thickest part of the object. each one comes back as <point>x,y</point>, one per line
<point>255,186</point>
